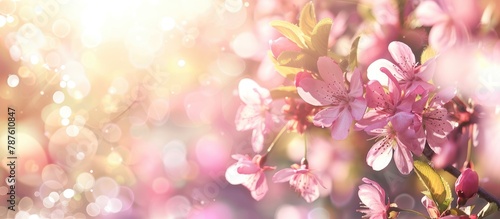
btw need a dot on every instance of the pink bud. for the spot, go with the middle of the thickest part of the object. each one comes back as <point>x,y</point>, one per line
<point>301,75</point>
<point>281,45</point>
<point>466,185</point>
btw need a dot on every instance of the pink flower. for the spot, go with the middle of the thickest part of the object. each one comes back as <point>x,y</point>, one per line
<point>342,105</point>
<point>398,138</point>
<point>410,76</point>
<point>255,113</point>
<point>451,21</point>
<point>373,198</point>
<point>384,103</point>
<point>431,207</point>
<point>435,123</point>
<point>249,173</point>
<point>302,179</point>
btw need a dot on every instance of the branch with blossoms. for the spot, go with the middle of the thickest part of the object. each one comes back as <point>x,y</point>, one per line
<point>414,116</point>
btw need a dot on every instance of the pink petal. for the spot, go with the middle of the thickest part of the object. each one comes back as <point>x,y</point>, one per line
<point>444,95</point>
<point>258,139</point>
<point>380,190</point>
<point>427,70</point>
<point>376,96</point>
<point>340,127</point>
<point>310,194</point>
<point>257,186</point>
<point>371,197</point>
<point>402,54</point>
<point>330,72</point>
<point>356,87</point>
<point>233,177</point>
<point>247,167</point>
<point>283,175</point>
<point>327,116</point>
<point>372,120</point>
<point>431,207</point>
<point>429,13</point>
<point>247,117</point>
<point>358,108</point>
<point>283,44</point>
<point>315,92</point>
<point>253,94</point>
<point>403,159</point>
<point>301,75</point>
<point>445,35</point>
<point>239,157</point>
<point>375,74</point>
<point>380,154</point>
<point>402,121</point>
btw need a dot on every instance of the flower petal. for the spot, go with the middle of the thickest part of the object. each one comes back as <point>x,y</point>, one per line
<point>403,159</point>
<point>375,74</point>
<point>358,108</point>
<point>327,116</point>
<point>314,92</point>
<point>235,178</point>
<point>247,117</point>
<point>376,96</point>
<point>340,127</point>
<point>356,86</point>
<point>283,175</point>
<point>260,187</point>
<point>380,154</point>
<point>429,13</point>
<point>402,54</point>
<point>258,139</point>
<point>253,94</point>
<point>330,72</point>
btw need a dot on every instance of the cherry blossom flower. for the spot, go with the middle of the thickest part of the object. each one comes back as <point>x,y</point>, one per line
<point>249,173</point>
<point>342,105</point>
<point>398,138</point>
<point>302,179</point>
<point>372,195</point>
<point>410,76</point>
<point>298,114</point>
<point>384,103</point>
<point>451,21</point>
<point>256,113</point>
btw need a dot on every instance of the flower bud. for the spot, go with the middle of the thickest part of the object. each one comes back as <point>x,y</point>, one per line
<point>466,185</point>
<point>281,45</point>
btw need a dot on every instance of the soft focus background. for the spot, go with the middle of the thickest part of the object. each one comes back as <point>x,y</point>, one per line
<point>125,109</point>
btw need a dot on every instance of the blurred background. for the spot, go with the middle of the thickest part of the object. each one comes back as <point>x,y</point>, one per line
<point>125,109</point>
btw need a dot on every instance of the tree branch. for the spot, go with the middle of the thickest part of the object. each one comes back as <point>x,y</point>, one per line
<point>428,153</point>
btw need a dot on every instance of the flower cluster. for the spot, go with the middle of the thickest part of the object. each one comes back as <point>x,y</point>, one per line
<point>387,91</point>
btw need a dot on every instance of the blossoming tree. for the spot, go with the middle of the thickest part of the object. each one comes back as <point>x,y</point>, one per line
<point>397,97</point>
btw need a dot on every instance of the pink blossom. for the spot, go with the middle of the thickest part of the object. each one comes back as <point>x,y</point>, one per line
<point>451,21</point>
<point>397,139</point>
<point>302,179</point>
<point>372,195</point>
<point>384,103</point>
<point>249,173</point>
<point>435,123</point>
<point>256,113</point>
<point>410,76</point>
<point>431,207</point>
<point>342,105</point>
<point>466,186</point>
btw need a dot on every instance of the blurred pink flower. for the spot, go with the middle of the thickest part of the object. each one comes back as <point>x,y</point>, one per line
<point>410,76</point>
<point>249,173</point>
<point>343,105</point>
<point>255,113</point>
<point>373,198</point>
<point>431,207</point>
<point>302,179</point>
<point>451,20</point>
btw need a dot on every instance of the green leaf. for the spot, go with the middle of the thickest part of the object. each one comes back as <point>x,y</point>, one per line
<point>488,209</point>
<point>284,91</point>
<point>307,19</point>
<point>291,59</point>
<point>291,32</point>
<point>427,54</point>
<point>353,55</point>
<point>457,212</point>
<point>319,37</point>
<point>438,189</point>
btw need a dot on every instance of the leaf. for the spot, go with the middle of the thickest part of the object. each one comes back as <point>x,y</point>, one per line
<point>307,19</point>
<point>457,212</point>
<point>291,59</point>
<point>320,34</point>
<point>353,55</point>
<point>427,54</point>
<point>284,91</point>
<point>438,189</point>
<point>285,71</point>
<point>290,31</point>
<point>488,209</point>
